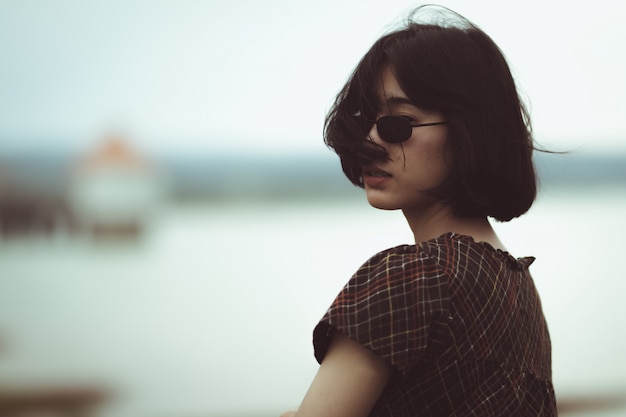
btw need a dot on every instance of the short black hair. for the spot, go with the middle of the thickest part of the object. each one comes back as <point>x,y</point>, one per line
<point>454,67</point>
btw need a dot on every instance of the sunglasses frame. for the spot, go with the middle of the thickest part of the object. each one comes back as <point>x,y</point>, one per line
<point>401,124</point>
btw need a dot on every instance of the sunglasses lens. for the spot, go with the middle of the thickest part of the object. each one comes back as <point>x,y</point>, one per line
<point>393,129</point>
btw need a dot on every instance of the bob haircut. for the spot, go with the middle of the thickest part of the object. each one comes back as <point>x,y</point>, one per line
<point>450,66</point>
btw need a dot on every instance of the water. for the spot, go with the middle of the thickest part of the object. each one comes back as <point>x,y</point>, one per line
<point>211,312</point>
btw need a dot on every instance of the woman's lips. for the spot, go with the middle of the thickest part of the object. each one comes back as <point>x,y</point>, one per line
<point>375,177</point>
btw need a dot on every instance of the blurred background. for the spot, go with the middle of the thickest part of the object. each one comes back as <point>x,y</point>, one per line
<point>172,226</point>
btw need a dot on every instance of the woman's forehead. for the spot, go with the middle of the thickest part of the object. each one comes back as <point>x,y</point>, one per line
<point>389,92</point>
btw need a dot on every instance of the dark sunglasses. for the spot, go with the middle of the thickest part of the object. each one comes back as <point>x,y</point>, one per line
<point>395,129</point>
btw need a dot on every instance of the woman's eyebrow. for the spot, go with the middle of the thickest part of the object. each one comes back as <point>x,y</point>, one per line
<point>394,100</point>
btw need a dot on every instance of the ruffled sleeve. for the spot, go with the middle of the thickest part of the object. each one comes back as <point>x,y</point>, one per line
<point>390,306</point>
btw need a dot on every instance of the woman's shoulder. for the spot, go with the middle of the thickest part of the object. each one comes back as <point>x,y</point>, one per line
<point>440,247</point>
<point>442,256</point>
<point>452,247</point>
<point>391,261</point>
<point>404,261</point>
<point>445,249</point>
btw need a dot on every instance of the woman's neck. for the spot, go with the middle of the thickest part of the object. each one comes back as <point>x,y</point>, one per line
<point>439,219</point>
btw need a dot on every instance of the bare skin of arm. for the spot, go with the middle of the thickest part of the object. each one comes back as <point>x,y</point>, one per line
<point>347,384</point>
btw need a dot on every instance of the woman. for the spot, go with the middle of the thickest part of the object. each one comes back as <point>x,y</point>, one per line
<point>430,123</point>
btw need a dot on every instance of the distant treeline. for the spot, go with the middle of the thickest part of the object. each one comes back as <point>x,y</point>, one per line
<point>247,176</point>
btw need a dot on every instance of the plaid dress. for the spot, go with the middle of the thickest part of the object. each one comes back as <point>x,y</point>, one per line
<point>459,321</point>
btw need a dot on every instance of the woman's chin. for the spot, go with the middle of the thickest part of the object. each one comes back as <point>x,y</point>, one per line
<point>381,204</point>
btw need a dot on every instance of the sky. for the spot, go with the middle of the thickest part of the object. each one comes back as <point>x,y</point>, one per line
<point>233,76</point>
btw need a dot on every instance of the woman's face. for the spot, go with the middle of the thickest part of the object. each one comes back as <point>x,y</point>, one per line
<point>417,165</point>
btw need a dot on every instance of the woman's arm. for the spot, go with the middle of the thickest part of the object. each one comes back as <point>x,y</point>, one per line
<point>348,382</point>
